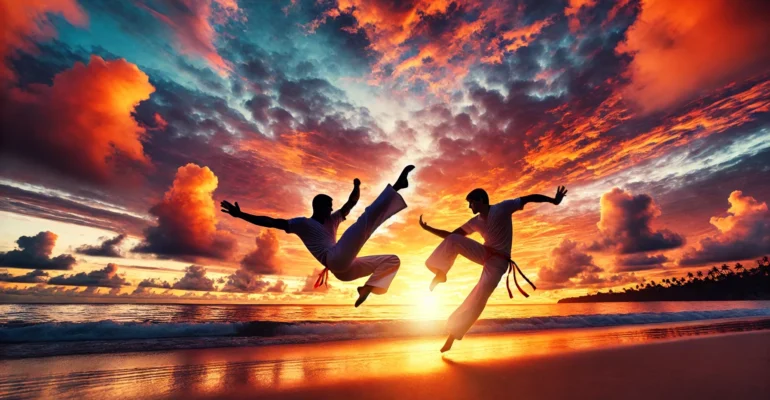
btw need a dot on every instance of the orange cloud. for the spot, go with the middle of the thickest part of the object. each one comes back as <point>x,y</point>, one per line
<point>22,22</point>
<point>512,40</point>
<point>408,50</point>
<point>744,233</point>
<point>330,156</point>
<point>191,21</point>
<point>742,208</point>
<point>573,9</point>
<point>682,48</point>
<point>626,224</point>
<point>83,124</point>
<point>569,263</point>
<point>677,131</point>
<point>186,219</point>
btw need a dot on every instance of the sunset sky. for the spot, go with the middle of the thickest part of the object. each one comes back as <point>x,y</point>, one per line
<point>124,123</point>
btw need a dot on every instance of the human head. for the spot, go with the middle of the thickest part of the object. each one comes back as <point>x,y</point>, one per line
<point>477,199</point>
<point>322,206</point>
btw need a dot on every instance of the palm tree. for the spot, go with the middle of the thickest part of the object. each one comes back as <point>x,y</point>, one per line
<point>739,269</point>
<point>690,276</point>
<point>714,272</point>
<point>726,269</point>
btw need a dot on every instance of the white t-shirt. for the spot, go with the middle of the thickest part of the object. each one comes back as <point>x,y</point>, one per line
<point>317,237</point>
<point>497,228</point>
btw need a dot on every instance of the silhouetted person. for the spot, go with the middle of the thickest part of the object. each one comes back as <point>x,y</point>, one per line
<point>493,222</point>
<point>319,234</point>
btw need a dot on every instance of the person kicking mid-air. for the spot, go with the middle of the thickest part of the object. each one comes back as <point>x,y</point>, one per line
<point>319,234</point>
<point>493,222</point>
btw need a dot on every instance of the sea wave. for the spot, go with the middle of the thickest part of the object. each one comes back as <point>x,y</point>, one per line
<point>304,332</point>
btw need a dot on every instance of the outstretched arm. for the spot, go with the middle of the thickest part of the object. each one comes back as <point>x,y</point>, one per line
<point>561,191</point>
<point>440,232</point>
<point>353,199</point>
<point>267,222</point>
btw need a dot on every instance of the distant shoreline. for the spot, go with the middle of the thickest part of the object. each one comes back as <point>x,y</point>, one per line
<point>717,284</point>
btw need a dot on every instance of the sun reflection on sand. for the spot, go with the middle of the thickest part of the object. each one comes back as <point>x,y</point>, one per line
<point>212,372</point>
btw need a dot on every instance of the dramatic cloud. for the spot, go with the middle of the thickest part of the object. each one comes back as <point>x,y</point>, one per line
<point>263,260</point>
<point>744,233</point>
<point>279,287</point>
<point>243,281</point>
<point>154,283</point>
<point>195,279</point>
<point>107,277</point>
<point>82,211</point>
<point>568,263</point>
<point>315,139</point>
<point>36,276</point>
<point>192,23</point>
<point>574,8</point>
<point>108,248</point>
<point>625,224</point>
<point>431,45</point>
<point>34,252</point>
<point>186,219</point>
<point>683,48</point>
<point>82,125</point>
<point>639,262</point>
<point>23,22</point>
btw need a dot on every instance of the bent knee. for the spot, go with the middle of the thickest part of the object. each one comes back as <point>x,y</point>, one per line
<point>454,237</point>
<point>394,260</point>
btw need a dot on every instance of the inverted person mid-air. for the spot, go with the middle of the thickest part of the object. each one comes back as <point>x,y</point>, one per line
<point>319,234</point>
<point>494,224</point>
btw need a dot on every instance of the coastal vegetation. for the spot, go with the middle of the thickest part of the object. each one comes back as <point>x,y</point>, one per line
<point>716,283</point>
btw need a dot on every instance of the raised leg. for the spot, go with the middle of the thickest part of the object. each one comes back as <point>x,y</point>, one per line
<point>388,203</point>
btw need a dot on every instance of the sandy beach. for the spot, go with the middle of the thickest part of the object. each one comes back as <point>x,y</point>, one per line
<point>654,361</point>
<point>732,366</point>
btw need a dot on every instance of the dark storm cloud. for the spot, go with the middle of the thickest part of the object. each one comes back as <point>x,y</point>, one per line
<point>34,252</point>
<point>106,277</point>
<point>36,276</point>
<point>108,248</point>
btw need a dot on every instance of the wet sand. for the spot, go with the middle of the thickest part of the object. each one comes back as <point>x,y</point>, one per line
<point>625,362</point>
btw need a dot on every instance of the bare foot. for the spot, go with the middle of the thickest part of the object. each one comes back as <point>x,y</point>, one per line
<point>363,293</point>
<point>448,344</point>
<point>439,278</point>
<point>402,182</point>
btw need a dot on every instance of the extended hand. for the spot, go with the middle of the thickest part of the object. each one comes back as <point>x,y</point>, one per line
<point>423,224</point>
<point>561,191</point>
<point>356,182</point>
<point>228,208</point>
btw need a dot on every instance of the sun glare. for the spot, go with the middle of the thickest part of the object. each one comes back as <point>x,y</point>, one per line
<point>427,306</point>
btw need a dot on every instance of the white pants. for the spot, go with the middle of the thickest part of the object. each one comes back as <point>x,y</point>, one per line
<point>342,259</point>
<point>442,260</point>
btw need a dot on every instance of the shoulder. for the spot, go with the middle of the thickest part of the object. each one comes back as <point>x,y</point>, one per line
<point>296,224</point>
<point>469,226</point>
<point>509,205</point>
<point>338,216</point>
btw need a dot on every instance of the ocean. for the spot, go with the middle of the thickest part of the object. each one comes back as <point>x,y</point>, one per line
<point>39,330</point>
